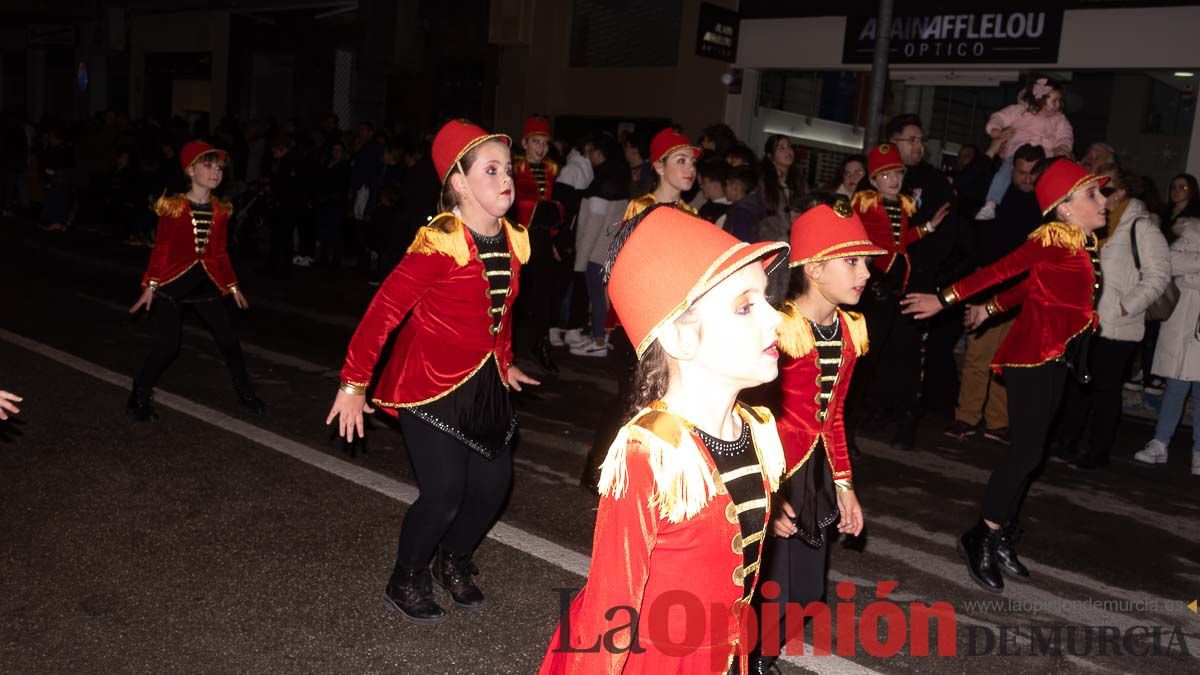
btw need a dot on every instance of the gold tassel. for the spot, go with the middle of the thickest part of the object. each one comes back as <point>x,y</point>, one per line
<point>908,204</point>
<point>795,333</point>
<point>856,325</point>
<point>518,238</point>
<point>864,200</point>
<point>219,206</point>
<point>1060,234</point>
<point>683,484</point>
<point>638,205</point>
<point>442,235</point>
<point>766,440</point>
<point>171,207</point>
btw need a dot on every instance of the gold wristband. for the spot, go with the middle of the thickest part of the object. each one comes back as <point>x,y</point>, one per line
<point>234,289</point>
<point>948,296</point>
<point>992,307</point>
<point>843,485</point>
<point>152,285</point>
<point>353,389</point>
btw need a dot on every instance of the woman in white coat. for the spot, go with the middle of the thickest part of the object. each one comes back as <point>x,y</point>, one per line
<point>1177,356</point>
<point>1125,294</point>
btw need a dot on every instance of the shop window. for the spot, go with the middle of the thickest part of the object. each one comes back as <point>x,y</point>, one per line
<point>625,33</point>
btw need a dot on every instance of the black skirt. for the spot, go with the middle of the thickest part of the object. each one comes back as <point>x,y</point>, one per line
<point>811,493</point>
<point>479,413</point>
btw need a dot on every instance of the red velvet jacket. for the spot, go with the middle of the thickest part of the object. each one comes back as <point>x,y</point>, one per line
<point>800,422</point>
<point>449,335</point>
<point>1057,299</point>
<point>666,527</point>
<point>529,197</point>
<point>175,244</point>
<point>869,205</point>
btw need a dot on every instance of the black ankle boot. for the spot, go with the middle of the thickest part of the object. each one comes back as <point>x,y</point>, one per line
<point>541,353</point>
<point>978,547</point>
<point>138,407</point>
<point>1006,552</point>
<point>249,400</point>
<point>410,591</point>
<point>453,572</point>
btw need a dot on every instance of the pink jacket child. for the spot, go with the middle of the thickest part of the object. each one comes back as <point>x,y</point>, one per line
<point>1037,120</point>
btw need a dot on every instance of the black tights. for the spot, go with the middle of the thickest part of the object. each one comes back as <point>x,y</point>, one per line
<point>166,324</point>
<point>461,493</point>
<point>1034,395</point>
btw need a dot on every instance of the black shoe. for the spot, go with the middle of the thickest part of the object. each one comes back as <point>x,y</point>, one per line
<point>1006,552</point>
<point>906,432</point>
<point>999,435</point>
<point>541,354</point>
<point>978,547</point>
<point>249,400</point>
<point>138,407</point>
<point>410,592</point>
<point>453,572</point>
<point>960,430</point>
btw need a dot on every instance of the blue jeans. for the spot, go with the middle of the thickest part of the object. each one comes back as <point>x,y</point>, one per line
<point>1000,182</point>
<point>1174,396</point>
<point>598,297</point>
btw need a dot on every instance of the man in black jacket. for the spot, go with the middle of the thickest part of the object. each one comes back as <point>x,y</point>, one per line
<point>982,396</point>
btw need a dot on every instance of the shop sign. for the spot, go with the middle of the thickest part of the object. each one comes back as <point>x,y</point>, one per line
<point>717,33</point>
<point>1018,36</point>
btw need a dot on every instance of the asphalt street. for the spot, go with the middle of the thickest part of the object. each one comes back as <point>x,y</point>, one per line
<point>213,541</point>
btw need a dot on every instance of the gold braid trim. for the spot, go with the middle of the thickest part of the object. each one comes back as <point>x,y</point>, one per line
<point>795,333</point>
<point>442,235</point>
<point>171,207</point>
<point>518,238</point>
<point>908,204</point>
<point>1060,234</point>
<point>856,326</point>
<point>683,483</point>
<point>766,441</point>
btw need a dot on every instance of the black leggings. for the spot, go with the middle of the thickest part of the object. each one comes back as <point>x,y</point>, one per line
<point>461,493</point>
<point>166,324</point>
<point>1034,395</point>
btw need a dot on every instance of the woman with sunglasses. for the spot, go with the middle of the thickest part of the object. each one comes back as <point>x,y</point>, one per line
<point>1049,337</point>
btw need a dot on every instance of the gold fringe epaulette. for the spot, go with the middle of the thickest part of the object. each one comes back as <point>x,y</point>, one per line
<point>444,235</point>
<point>683,485</point>
<point>766,440</point>
<point>795,332</point>
<point>638,205</point>
<point>856,326</point>
<point>1060,234</point>
<point>865,200</point>
<point>171,207</point>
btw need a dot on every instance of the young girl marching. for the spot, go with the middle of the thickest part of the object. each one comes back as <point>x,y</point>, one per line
<point>450,370</point>
<point>1035,119</point>
<point>821,343</point>
<point>686,485</point>
<point>190,267</point>
<point>1048,338</point>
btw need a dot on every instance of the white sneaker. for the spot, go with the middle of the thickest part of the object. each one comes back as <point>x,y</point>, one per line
<point>1196,462</point>
<point>556,337</point>
<point>575,337</point>
<point>590,349</point>
<point>988,212</point>
<point>1156,453</point>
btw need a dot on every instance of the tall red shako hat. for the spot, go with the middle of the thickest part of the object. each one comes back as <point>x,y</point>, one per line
<point>827,232</point>
<point>456,139</point>
<point>883,157</point>
<point>536,125</point>
<point>192,151</point>
<point>669,260</point>
<point>667,141</point>
<point>1060,180</point>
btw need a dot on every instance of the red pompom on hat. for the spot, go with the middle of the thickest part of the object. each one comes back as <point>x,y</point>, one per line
<point>670,259</point>
<point>194,150</point>
<point>1060,180</point>
<point>536,125</point>
<point>827,232</point>
<point>667,141</point>
<point>456,139</point>
<point>883,157</point>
